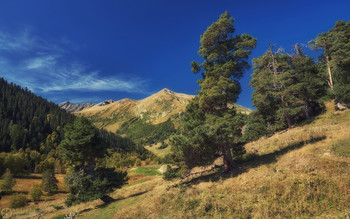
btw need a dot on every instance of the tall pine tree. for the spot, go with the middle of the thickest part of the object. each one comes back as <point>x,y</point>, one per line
<point>210,128</point>
<point>335,60</point>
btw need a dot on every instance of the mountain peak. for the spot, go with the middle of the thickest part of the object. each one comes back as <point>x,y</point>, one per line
<point>166,91</point>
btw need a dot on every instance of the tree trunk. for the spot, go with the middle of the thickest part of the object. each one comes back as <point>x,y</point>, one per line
<point>229,164</point>
<point>289,122</point>
<point>91,168</point>
<point>330,82</point>
<point>307,109</point>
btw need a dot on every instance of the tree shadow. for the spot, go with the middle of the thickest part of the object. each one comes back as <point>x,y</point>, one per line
<point>108,200</point>
<point>252,162</point>
<point>27,177</point>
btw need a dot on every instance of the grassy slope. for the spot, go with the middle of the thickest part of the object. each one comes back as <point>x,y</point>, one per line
<point>304,172</point>
<point>298,173</point>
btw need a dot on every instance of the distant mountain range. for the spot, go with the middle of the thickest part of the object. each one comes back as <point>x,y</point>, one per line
<point>73,107</point>
<point>155,109</point>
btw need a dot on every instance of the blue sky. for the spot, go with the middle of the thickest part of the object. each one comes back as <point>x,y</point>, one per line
<point>89,51</point>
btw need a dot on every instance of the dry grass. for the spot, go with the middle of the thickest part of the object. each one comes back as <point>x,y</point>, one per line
<point>296,175</point>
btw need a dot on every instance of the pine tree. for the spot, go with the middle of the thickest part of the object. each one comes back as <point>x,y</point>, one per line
<point>49,181</point>
<point>210,128</point>
<point>336,58</point>
<point>8,181</point>
<point>287,88</point>
<point>80,148</point>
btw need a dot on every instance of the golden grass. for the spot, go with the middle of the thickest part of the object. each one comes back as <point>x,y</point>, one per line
<point>296,175</point>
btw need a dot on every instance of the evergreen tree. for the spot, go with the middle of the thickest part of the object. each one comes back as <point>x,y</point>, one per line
<point>8,181</point>
<point>287,88</point>
<point>336,59</point>
<point>210,128</point>
<point>49,181</point>
<point>255,127</point>
<point>80,148</point>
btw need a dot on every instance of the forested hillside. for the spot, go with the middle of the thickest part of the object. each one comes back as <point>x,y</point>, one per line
<point>32,128</point>
<point>29,121</point>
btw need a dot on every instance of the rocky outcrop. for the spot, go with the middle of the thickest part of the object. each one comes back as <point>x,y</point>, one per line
<point>72,107</point>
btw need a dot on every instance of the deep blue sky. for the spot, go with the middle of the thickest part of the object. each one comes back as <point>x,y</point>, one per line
<point>88,51</point>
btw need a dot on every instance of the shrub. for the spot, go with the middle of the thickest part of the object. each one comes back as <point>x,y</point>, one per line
<point>35,192</point>
<point>138,162</point>
<point>18,201</point>
<point>49,181</point>
<point>148,161</point>
<point>8,181</point>
<point>170,173</point>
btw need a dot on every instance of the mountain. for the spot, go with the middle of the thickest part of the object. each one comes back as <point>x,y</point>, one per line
<point>105,102</point>
<point>72,107</point>
<point>149,120</point>
<point>154,109</point>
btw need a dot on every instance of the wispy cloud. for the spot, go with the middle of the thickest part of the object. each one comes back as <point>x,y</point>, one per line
<point>47,67</point>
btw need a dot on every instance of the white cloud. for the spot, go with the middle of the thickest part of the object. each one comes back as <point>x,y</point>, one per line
<point>47,68</point>
<point>40,62</point>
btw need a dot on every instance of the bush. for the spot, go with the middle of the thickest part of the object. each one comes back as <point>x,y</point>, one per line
<point>49,181</point>
<point>8,181</point>
<point>18,201</point>
<point>138,162</point>
<point>148,161</point>
<point>170,173</point>
<point>35,192</point>
<point>163,146</point>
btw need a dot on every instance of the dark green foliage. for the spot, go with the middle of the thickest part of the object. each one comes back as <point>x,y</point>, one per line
<point>49,181</point>
<point>287,89</point>
<point>81,144</point>
<point>145,133</point>
<point>210,128</point>
<point>335,61</point>
<point>85,187</point>
<point>8,181</point>
<point>19,163</point>
<point>255,128</point>
<point>163,146</point>
<point>81,147</point>
<point>170,173</point>
<point>18,201</point>
<point>26,119</point>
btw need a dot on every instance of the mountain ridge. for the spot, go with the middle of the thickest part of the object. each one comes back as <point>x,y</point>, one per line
<point>155,109</point>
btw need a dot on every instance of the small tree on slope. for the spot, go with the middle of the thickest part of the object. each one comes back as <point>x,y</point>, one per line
<point>80,147</point>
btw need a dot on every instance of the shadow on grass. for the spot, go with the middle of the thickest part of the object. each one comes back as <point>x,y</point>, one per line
<point>27,177</point>
<point>251,162</point>
<point>108,200</point>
